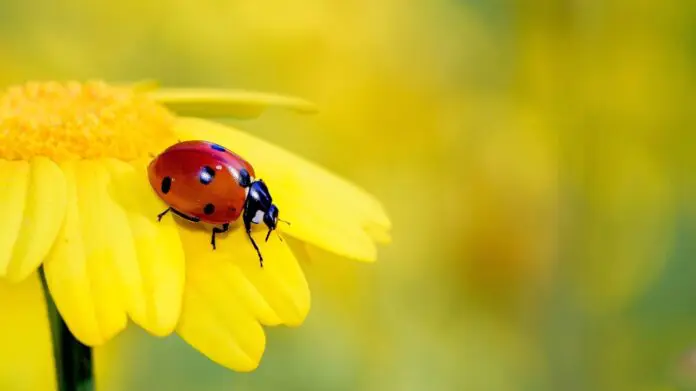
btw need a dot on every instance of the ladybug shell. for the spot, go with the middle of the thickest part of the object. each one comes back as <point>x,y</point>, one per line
<point>200,179</point>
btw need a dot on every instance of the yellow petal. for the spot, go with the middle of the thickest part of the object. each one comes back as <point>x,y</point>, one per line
<point>14,180</point>
<point>79,269</point>
<point>43,217</point>
<point>324,210</point>
<point>228,293</point>
<point>226,103</point>
<point>26,362</point>
<point>311,223</point>
<point>158,247</point>
<point>276,293</point>
<point>227,334</point>
<point>111,239</point>
<point>213,273</point>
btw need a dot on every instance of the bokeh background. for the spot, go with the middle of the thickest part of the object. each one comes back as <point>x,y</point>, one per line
<point>536,158</point>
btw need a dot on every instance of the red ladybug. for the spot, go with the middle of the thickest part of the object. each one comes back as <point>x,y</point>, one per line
<point>203,181</point>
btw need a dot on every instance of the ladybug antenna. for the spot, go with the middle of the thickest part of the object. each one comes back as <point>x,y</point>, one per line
<point>284,221</point>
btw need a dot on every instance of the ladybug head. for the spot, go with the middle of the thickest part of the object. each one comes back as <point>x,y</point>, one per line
<point>270,218</point>
<point>260,207</point>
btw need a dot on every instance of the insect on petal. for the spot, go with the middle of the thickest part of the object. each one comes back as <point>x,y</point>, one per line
<point>293,181</point>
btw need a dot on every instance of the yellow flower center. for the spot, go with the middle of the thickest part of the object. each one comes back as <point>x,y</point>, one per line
<point>73,120</point>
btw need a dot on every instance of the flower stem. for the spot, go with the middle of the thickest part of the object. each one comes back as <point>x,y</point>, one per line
<point>73,360</point>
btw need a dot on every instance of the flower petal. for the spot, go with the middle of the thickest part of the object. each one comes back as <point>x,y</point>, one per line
<point>79,268</point>
<point>226,103</point>
<point>221,279</point>
<point>14,180</point>
<point>43,216</point>
<point>159,252</point>
<point>315,226</point>
<point>304,193</point>
<point>113,240</point>
<point>26,362</point>
<point>276,293</point>
<point>228,335</point>
<point>228,293</point>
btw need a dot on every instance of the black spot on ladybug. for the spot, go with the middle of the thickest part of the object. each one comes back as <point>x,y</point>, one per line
<point>166,184</point>
<point>206,175</point>
<point>217,147</point>
<point>209,209</point>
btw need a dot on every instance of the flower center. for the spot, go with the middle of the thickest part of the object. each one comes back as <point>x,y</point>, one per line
<point>73,120</point>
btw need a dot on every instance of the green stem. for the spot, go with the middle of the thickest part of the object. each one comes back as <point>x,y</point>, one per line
<point>73,360</point>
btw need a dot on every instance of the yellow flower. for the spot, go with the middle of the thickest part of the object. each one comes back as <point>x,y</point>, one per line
<point>75,197</point>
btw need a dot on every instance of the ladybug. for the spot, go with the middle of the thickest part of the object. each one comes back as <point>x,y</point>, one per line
<point>201,181</point>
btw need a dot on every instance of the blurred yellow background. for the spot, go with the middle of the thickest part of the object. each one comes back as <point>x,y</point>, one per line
<point>536,158</point>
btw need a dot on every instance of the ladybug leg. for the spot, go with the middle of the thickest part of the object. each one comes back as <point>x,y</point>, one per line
<point>159,216</point>
<point>253,242</point>
<point>247,225</point>
<point>183,216</point>
<point>225,227</point>
<point>176,212</point>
